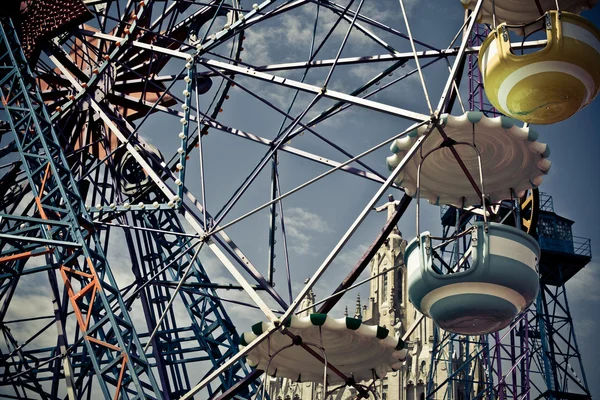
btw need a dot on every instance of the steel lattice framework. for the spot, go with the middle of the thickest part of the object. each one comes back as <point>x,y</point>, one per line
<point>63,233</point>
<point>534,357</point>
<point>88,199</point>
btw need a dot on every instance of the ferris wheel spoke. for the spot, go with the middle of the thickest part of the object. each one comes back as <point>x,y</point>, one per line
<point>156,79</point>
<point>168,13</point>
<point>376,39</point>
<point>206,120</point>
<point>275,67</point>
<point>263,162</point>
<point>373,105</point>
<point>292,150</point>
<point>337,8</point>
<point>302,128</point>
<point>277,192</point>
<point>341,106</point>
<point>175,34</point>
<point>344,41</point>
<point>379,58</point>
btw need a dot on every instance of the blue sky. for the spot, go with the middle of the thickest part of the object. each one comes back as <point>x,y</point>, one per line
<point>316,217</point>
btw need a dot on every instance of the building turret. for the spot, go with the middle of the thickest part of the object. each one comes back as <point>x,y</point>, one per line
<point>388,295</point>
<point>358,311</point>
<point>307,303</point>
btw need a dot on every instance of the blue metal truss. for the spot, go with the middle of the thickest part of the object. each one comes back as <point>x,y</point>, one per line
<point>106,343</point>
<point>158,260</point>
<point>207,335</point>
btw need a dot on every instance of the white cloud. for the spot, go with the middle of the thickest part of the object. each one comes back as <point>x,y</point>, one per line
<point>301,227</point>
<point>584,285</point>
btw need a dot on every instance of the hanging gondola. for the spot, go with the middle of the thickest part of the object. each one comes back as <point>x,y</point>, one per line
<point>501,281</point>
<point>549,85</point>
<point>484,289</point>
<point>362,352</point>
<point>513,160</point>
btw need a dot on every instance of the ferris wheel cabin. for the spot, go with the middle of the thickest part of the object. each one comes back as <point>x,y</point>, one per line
<point>501,282</point>
<point>549,85</point>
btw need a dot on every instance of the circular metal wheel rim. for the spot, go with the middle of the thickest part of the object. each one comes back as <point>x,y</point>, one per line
<point>71,103</point>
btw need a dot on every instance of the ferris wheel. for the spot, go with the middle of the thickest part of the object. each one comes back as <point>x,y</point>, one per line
<point>174,168</point>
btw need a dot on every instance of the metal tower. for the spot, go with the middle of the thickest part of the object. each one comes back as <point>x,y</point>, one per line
<point>537,357</point>
<point>60,229</point>
<point>554,351</point>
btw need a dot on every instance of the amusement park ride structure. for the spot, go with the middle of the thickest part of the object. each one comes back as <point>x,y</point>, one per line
<point>82,81</point>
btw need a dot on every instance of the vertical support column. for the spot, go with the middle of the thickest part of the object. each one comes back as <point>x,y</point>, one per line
<point>185,125</point>
<point>272,219</point>
<point>547,350</point>
<point>559,347</point>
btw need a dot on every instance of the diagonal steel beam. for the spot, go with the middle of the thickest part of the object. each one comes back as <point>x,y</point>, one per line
<point>305,87</point>
<point>170,194</point>
<point>369,254</point>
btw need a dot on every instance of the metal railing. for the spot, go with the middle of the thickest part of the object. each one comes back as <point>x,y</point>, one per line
<point>577,245</point>
<point>582,246</point>
<point>546,202</point>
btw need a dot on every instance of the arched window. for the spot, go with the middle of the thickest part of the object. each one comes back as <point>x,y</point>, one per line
<point>399,287</point>
<point>385,286</point>
<point>422,396</point>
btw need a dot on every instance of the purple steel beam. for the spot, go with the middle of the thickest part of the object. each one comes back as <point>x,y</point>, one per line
<point>369,254</point>
<point>476,101</point>
<point>497,339</point>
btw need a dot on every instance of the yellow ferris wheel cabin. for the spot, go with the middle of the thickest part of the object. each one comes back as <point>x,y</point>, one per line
<point>549,85</point>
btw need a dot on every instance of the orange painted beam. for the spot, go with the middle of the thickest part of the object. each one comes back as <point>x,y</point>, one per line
<point>71,293</point>
<point>87,320</point>
<point>26,254</point>
<point>40,208</point>
<point>125,358</point>
<point>75,272</point>
<point>84,291</point>
<point>101,343</point>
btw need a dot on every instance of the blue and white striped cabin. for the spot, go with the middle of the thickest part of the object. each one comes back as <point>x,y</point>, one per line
<point>501,283</point>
